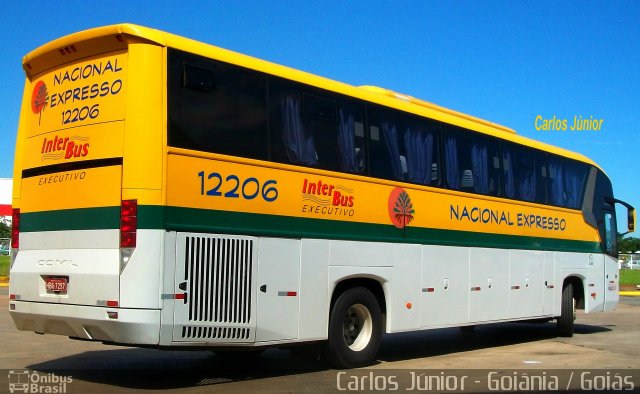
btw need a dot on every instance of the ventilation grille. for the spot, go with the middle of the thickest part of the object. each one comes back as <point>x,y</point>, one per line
<point>218,273</point>
<point>237,333</point>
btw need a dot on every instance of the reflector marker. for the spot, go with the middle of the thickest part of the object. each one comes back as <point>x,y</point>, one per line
<point>15,228</point>
<point>177,296</point>
<point>128,223</point>
<point>593,295</point>
<point>515,287</point>
<point>592,285</point>
<point>108,303</point>
<point>287,293</point>
<point>16,297</point>
<point>477,288</point>
<point>429,290</point>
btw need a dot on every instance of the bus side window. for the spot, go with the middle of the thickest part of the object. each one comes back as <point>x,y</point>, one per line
<point>216,107</point>
<point>470,162</point>
<point>315,129</point>
<point>404,147</point>
<point>566,182</point>
<point>524,173</point>
<point>198,78</point>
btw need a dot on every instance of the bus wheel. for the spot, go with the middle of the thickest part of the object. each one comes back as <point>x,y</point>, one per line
<point>467,329</point>
<point>567,316</point>
<point>355,329</point>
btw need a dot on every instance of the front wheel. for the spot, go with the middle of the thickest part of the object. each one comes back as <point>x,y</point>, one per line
<point>355,329</point>
<point>567,316</point>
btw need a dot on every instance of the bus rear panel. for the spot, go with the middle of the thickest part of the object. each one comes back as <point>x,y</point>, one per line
<point>76,192</point>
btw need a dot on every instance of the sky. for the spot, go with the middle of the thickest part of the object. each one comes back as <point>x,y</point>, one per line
<point>505,61</point>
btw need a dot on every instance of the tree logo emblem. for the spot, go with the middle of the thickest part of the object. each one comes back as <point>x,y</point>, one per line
<point>401,209</point>
<point>39,99</point>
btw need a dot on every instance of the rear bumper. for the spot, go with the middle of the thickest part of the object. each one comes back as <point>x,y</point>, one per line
<point>132,326</point>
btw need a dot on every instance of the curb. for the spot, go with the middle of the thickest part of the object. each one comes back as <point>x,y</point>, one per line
<point>632,293</point>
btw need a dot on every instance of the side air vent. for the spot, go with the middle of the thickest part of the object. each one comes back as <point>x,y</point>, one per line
<point>233,333</point>
<point>219,275</point>
<point>217,279</point>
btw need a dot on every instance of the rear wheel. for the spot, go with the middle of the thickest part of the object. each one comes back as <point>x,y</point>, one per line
<point>565,322</point>
<point>355,329</point>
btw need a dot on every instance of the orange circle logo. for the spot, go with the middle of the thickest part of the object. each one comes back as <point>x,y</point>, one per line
<point>401,210</point>
<point>39,97</point>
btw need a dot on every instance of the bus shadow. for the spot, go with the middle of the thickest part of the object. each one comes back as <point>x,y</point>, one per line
<point>430,343</point>
<point>157,369</point>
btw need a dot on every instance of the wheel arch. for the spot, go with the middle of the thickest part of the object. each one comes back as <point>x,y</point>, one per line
<point>578,289</point>
<point>372,283</point>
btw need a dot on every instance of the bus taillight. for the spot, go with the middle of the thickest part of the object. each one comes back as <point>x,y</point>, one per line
<point>128,223</point>
<point>15,228</point>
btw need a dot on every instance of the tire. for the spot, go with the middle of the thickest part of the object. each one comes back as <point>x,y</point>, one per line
<point>565,322</point>
<point>467,329</point>
<point>355,329</point>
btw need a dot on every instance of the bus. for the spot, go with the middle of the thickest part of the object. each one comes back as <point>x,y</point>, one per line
<point>173,194</point>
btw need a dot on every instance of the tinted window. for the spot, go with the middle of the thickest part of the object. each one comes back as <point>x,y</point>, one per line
<point>525,173</point>
<point>610,234</point>
<point>472,162</point>
<point>216,107</point>
<point>314,128</point>
<point>567,180</point>
<point>404,147</point>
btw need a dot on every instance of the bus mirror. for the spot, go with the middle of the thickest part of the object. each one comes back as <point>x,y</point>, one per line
<point>631,212</point>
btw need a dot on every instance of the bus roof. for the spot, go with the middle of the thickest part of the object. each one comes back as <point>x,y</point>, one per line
<point>369,93</point>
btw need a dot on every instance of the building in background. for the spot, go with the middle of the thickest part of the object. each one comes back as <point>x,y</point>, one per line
<point>6,185</point>
<point>5,212</point>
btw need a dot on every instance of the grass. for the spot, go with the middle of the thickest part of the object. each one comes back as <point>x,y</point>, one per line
<point>629,277</point>
<point>4,265</point>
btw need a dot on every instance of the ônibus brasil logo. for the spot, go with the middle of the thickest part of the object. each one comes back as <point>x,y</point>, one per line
<point>401,209</point>
<point>39,99</point>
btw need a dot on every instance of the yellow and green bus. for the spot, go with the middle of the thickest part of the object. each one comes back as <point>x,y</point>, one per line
<point>174,194</point>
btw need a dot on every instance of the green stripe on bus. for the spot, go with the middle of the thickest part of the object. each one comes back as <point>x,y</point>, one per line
<point>197,220</point>
<point>71,219</point>
<point>212,221</point>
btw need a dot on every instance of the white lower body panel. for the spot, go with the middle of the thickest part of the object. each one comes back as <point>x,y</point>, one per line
<point>132,326</point>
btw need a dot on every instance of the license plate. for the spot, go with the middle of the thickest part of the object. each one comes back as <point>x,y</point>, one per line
<point>56,285</point>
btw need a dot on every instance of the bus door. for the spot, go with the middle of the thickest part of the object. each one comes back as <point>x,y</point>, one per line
<point>609,236</point>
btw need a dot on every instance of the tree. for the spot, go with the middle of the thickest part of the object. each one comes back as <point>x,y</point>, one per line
<point>5,229</point>
<point>628,245</point>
